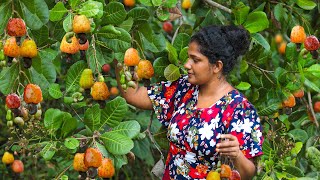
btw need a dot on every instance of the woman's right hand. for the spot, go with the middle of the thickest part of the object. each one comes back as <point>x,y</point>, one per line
<point>137,96</point>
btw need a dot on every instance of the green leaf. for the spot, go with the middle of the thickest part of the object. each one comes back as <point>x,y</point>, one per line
<point>299,135</point>
<point>120,160</point>
<point>291,51</point>
<point>51,120</point>
<point>170,3</point>
<point>311,85</point>
<point>117,144</point>
<point>139,13</point>
<point>172,73</point>
<point>172,54</point>
<point>5,14</point>
<point>127,24</point>
<point>243,66</point>
<point>128,128</point>
<point>297,148</point>
<point>40,36</point>
<point>57,12</point>
<point>109,31</point>
<point>162,13</point>
<point>69,124</point>
<point>183,55</point>
<point>306,4</point>
<point>293,171</point>
<point>97,57</point>
<point>181,41</point>
<point>48,151</point>
<point>242,86</point>
<point>102,149</point>
<point>8,78</point>
<point>146,2</point>
<point>159,65</point>
<point>44,64</point>
<point>115,13</point>
<point>67,23</point>
<point>36,13</point>
<point>74,3</point>
<point>71,143</point>
<point>314,69</point>
<point>73,75</point>
<point>256,21</point>
<point>41,80</point>
<point>92,117</point>
<point>91,9</point>
<point>240,12</point>
<point>257,37</point>
<point>120,44</point>
<point>54,91</point>
<point>156,2</point>
<point>280,74</point>
<point>114,112</point>
<point>279,12</point>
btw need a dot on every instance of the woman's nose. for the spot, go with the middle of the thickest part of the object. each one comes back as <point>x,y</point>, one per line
<point>187,65</point>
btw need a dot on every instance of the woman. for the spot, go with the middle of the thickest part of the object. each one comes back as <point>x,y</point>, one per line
<point>202,108</point>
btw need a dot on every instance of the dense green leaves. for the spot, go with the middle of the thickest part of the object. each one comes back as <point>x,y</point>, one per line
<point>8,78</point>
<point>36,13</point>
<point>240,12</point>
<point>59,123</point>
<point>5,13</point>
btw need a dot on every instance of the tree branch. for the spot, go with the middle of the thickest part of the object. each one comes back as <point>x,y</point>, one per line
<point>217,5</point>
<point>311,109</point>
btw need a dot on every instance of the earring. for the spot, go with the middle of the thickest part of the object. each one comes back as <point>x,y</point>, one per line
<point>220,76</point>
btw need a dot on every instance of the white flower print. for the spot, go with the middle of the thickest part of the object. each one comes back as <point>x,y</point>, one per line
<point>247,126</point>
<point>190,157</point>
<point>206,132</point>
<point>236,126</point>
<point>174,131</point>
<point>213,143</point>
<point>215,122</point>
<point>254,151</point>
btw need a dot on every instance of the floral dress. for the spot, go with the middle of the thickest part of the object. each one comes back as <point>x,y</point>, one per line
<point>194,132</point>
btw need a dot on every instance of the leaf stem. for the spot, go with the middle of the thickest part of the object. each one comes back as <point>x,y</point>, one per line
<point>217,5</point>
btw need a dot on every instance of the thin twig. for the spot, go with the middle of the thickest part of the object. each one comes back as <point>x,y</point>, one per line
<point>63,171</point>
<point>262,70</point>
<point>311,109</point>
<point>217,5</point>
<point>151,136</point>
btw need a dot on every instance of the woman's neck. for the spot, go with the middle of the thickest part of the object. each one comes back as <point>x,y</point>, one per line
<point>215,88</point>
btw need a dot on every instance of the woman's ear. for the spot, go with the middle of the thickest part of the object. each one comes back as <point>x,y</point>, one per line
<point>218,66</point>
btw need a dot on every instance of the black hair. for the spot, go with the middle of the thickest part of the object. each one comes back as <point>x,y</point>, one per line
<point>225,43</point>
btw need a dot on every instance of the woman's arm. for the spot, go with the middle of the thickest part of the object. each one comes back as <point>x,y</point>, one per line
<point>230,148</point>
<point>137,97</point>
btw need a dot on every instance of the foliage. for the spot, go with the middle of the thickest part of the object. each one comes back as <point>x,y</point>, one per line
<point>71,120</point>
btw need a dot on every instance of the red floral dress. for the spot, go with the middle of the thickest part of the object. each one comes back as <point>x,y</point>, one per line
<point>194,132</point>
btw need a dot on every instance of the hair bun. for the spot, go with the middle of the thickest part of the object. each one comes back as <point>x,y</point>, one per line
<point>239,38</point>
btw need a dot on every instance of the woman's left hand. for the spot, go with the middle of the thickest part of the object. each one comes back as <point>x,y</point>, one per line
<point>229,146</point>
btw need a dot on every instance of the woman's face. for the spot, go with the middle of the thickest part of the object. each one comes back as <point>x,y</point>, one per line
<point>200,71</point>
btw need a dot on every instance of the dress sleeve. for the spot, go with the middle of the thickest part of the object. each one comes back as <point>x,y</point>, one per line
<point>163,96</point>
<point>245,125</point>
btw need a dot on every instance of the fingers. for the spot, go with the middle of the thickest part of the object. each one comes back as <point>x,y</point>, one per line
<point>229,146</point>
